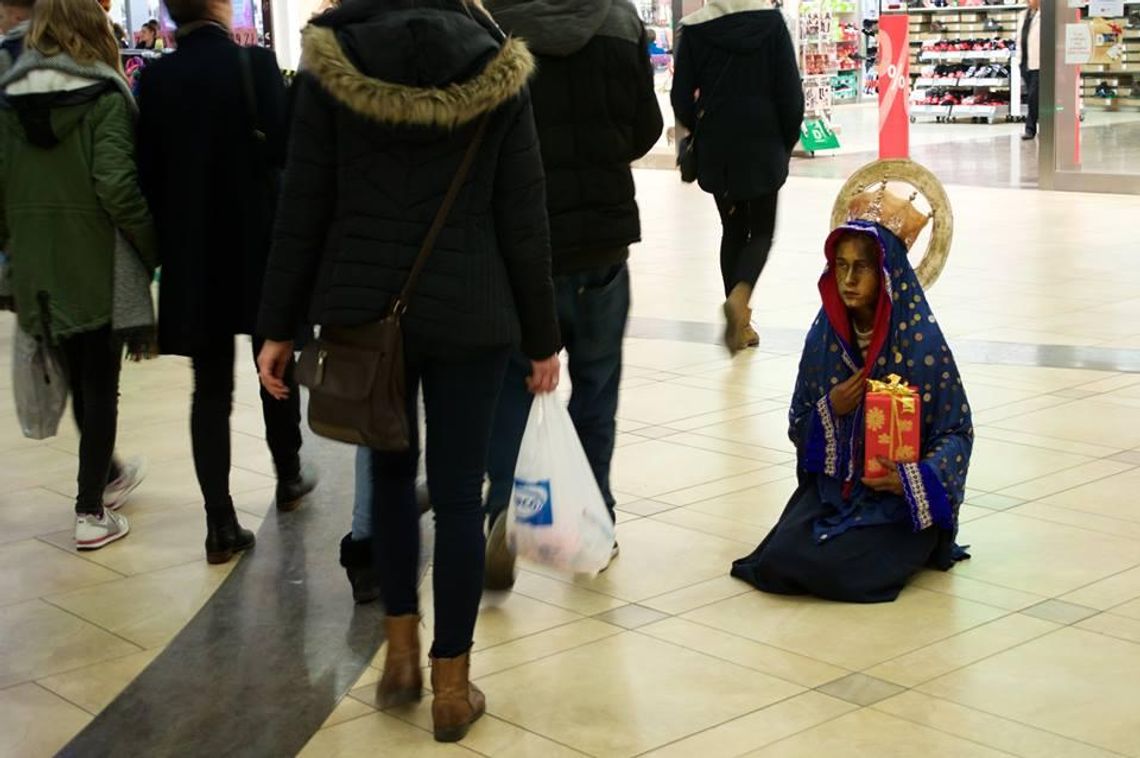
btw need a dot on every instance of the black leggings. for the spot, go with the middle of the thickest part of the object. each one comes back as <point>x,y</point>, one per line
<point>210,423</point>
<point>749,226</point>
<point>460,397</point>
<point>93,361</point>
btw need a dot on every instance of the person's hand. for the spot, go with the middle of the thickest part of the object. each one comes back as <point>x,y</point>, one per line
<point>544,375</point>
<point>271,364</point>
<point>890,481</point>
<point>846,397</point>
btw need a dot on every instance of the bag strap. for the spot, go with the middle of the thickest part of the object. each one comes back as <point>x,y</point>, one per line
<point>400,305</point>
<point>249,95</point>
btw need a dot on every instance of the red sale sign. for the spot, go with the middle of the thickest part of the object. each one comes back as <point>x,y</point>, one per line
<point>894,86</point>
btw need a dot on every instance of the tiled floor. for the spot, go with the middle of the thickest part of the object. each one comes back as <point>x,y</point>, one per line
<point>1032,648</point>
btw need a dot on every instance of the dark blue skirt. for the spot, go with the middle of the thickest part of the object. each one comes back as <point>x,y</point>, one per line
<point>863,565</point>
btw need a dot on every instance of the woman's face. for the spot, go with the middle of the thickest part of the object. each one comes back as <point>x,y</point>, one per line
<point>857,272</point>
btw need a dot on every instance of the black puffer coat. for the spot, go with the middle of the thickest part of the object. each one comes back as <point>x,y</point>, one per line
<point>742,62</point>
<point>387,102</point>
<point>596,112</point>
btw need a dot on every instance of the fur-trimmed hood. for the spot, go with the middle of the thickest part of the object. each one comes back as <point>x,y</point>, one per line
<point>429,64</point>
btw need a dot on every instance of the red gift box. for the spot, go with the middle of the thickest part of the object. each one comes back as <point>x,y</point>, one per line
<point>893,415</point>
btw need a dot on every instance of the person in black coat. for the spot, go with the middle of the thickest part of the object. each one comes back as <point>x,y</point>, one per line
<point>211,144</point>
<point>390,95</point>
<point>597,112</point>
<point>737,88</point>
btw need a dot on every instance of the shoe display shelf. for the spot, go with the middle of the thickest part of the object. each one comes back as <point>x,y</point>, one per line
<point>962,56</point>
<point>819,31</point>
<point>1116,86</point>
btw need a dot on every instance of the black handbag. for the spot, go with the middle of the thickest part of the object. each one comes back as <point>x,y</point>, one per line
<point>355,374</point>
<point>687,150</point>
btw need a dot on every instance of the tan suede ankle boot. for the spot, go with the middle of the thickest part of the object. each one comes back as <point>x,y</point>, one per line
<point>737,316</point>
<point>403,682</point>
<point>458,703</point>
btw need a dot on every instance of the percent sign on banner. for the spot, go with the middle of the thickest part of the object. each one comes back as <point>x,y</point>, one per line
<point>894,86</point>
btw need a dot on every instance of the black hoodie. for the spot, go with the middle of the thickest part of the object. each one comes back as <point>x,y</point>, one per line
<point>741,61</point>
<point>596,111</point>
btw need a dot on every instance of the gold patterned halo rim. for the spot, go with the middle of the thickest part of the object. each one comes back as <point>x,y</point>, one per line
<point>921,179</point>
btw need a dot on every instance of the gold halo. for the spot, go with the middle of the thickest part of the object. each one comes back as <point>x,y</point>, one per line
<point>921,179</point>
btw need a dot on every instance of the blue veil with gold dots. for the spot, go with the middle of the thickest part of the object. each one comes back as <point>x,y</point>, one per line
<point>907,342</point>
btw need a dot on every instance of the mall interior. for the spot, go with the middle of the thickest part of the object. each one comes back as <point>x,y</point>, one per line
<point>1029,648</point>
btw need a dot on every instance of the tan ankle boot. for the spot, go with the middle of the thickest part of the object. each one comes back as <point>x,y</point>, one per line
<point>737,316</point>
<point>458,703</point>
<point>403,682</point>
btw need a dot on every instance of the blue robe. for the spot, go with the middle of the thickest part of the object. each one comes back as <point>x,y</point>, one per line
<point>838,539</point>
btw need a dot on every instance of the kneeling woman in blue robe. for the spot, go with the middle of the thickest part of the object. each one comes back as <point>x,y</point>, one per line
<point>844,536</point>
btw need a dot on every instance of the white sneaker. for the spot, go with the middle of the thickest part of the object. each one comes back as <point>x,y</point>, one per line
<point>130,477</point>
<point>93,532</point>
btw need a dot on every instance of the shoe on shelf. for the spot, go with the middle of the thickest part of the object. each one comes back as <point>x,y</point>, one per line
<point>93,532</point>
<point>131,475</point>
<point>356,559</point>
<point>290,492</point>
<point>225,537</point>
<point>499,574</point>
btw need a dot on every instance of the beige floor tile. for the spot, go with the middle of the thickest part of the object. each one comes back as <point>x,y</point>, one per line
<point>758,729</point>
<point>668,355</point>
<point>616,715</point>
<point>32,512</point>
<point>1059,612</point>
<point>40,640</point>
<point>1114,527</point>
<point>716,526</point>
<point>631,616</point>
<point>1108,593</point>
<point>1093,421</point>
<point>147,609</point>
<point>1068,479</point>
<point>861,689</point>
<point>371,674</point>
<point>645,507</point>
<point>35,723</point>
<point>31,568</point>
<point>995,466</point>
<point>1073,682</point>
<point>1008,551</point>
<point>769,430</point>
<point>562,594</point>
<point>759,506</point>
<point>506,616</point>
<point>873,633</point>
<point>1121,627</point>
<point>873,734</point>
<point>347,710</point>
<point>954,583</point>
<point>657,558</point>
<point>158,540</point>
<point>93,688</point>
<point>798,669</point>
<point>1047,443</point>
<point>953,653</point>
<point>726,486</point>
<point>377,734</point>
<point>664,403</point>
<point>656,467</point>
<point>1002,734</point>
<point>744,405</point>
<point>1112,496</point>
<point>38,466</point>
<point>714,444</point>
<point>701,594</point>
<point>1130,609</point>
<point>508,655</point>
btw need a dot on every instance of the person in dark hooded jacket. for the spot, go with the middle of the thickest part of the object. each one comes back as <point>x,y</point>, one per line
<point>390,97</point>
<point>597,112</point>
<point>737,87</point>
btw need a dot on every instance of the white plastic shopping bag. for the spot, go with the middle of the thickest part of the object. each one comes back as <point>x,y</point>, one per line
<point>557,516</point>
<point>40,385</point>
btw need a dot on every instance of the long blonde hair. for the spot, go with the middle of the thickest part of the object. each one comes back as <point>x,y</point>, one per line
<point>78,28</point>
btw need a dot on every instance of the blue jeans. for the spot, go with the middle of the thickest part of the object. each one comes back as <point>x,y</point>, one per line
<point>593,308</point>
<point>362,500</point>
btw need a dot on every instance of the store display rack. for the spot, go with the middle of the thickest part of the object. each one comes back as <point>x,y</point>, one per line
<point>1116,86</point>
<point>964,62</point>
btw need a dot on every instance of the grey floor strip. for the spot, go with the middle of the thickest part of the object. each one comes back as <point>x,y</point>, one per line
<point>967,351</point>
<point>262,665</point>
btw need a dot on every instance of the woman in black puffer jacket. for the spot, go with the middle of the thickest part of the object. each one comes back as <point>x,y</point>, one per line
<point>390,96</point>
